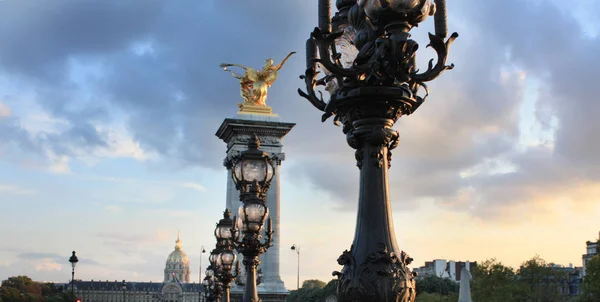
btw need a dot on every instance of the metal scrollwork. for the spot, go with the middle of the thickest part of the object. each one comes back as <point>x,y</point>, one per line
<point>231,159</point>
<point>381,274</point>
<point>386,56</point>
<point>359,157</point>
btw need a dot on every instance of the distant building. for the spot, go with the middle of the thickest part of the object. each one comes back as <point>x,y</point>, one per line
<point>591,251</point>
<point>571,286</point>
<point>444,269</point>
<point>175,288</point>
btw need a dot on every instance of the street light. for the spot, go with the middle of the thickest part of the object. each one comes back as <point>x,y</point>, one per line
<point>370,72</point>
<point>252,173</point>
<point>297,249</point>
<point>202,251</point>
<point>216,287</point>
<point>73,259</point>
<point>209,284</point>
<point>227,257</point>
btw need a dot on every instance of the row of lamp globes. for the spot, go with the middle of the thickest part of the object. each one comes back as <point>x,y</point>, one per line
<point>253,171</point>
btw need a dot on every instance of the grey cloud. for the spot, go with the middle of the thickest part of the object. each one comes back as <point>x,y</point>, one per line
<point>471,115</point>
<point>189,42</point>
<point>39,36</point>
<point>448,133</point>
<point>555,50</point>
<point>37,256</point>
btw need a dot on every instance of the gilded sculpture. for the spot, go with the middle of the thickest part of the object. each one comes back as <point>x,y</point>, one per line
<point>254,84</point>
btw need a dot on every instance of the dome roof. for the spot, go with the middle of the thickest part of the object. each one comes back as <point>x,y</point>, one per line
<point>178,256</point>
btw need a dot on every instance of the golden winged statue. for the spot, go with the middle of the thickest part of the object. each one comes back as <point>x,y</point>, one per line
<point>254,83</point>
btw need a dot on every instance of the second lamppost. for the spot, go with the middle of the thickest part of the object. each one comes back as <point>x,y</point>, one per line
<point>73,259</point>
<point>225,271</point>
<point>252,173</point>
<point>297,249</point>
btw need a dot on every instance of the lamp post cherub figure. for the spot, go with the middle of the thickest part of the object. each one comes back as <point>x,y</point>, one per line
<point>254,83</point>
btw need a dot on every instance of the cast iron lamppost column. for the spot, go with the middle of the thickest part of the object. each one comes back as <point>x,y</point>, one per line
<point>370,72</point>
<point>252,174</point>
<point>223,234</point>
<point>73,259</point>
<point>202,251</point>
<point>297,249</point>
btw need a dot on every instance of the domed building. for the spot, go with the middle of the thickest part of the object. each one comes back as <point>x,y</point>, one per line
<point>178,265</point>
<point>176,286</point>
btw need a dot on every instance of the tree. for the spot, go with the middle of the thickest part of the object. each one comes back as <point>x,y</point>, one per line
<point>591,280</point>
<point>23,289</point>
<point>313,283</point>
<point>19,282</point>
<point>436,285</point>
<point>541,281</point>
<point>494,282</point>
<point>10,294</point>
<point>313,291</point>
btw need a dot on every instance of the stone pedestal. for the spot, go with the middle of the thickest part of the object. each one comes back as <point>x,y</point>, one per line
<point>236,132</point>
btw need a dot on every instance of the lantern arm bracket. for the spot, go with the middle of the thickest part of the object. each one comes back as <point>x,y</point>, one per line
<point>441,48</point>
<point>268,236</point>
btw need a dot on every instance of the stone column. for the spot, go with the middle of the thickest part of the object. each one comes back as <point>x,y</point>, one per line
<point>464,293</point>
<point>236,133</point>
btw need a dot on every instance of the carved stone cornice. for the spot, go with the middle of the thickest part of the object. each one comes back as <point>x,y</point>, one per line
<point>233,131</point>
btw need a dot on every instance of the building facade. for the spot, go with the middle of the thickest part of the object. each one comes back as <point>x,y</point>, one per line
<point>176,286</point>
<point>444,269</point>
<point>591,250</point>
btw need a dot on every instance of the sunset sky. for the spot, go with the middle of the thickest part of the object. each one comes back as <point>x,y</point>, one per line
<point>108,114</point>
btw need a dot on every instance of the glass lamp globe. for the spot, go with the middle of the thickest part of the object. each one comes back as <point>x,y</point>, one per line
<point>227,259</point>
<point>253,169</point>
<point>223,232</point>
<point>253,215</point>
<point>210,273</point>
<point>378,9</point>
<point>253,165</point>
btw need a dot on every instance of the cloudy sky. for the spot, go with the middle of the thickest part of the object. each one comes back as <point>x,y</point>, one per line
<point>108,111</point>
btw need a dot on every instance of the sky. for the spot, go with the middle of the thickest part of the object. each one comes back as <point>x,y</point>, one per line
<point>108,114</point>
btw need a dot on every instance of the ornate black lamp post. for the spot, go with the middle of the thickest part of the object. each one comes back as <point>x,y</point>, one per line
<point>226,273</point>
<point>73,259</point>
<point>252,174</point>
<point>368,59</point>
<point>211,284</point>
